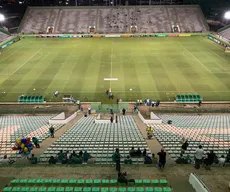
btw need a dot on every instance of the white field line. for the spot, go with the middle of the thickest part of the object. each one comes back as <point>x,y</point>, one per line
<point>26,61</point>
<point>195,58</point>
<point>11,54</point>
<point>111,67</point>
<point>122,91</point>
<point>218,55</point>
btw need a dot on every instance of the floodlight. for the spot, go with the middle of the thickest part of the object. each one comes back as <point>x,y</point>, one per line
<point>2,17</point>
<point>227,15</point>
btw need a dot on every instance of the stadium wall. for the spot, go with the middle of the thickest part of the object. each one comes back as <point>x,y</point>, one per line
<point>114,35</point>
<point>197,184</point>
<point>9,42</point>
<point>218,40</point>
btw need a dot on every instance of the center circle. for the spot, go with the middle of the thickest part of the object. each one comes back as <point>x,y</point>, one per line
<point>105,56</point>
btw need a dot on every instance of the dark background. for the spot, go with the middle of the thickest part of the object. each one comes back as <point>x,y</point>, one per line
<point>14,9</point>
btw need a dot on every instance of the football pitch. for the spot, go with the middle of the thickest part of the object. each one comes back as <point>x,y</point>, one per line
<point>156,68</point>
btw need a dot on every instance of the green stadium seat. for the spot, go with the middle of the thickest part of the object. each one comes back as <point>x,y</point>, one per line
<point>64,182</point>
<point>158,189</point>
<point>131,189</point>
<point>56,181</point>
<point>7,189</point>
<point>105,182</point>
<point>80,182</point>
<point>33,189</point>
<point>78,189</point>
<point>16,189</point>
<point>155,182</point>
<point>69,189</point>
<point>138,182</point>
<point>167,189</point>
<point>42,189</point>
<point>23,182</point>
<point>89,182</point>
<point>40,182</point>
<point>113,182</point>
<point>146,182</point>
<point>25,189</point>
<point>31,181</point>
<point>48,182</point>
<point>72,181</point>
<point>95,189</point>
<point>163,182</point>
<point>149,189</point>
<point>104,189</point>
<point>51,189</point>
<point>113,189</point>
<point>60,189</point>
<point>87,189</point>
<point>122,189</point>
<point>140,189</point>
<point>15,182</point>
<point>96,182</point>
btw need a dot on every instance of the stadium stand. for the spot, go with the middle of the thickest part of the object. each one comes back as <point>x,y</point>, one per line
<point>100,140</point>
<point>225,33</point>
<point>13,127</point>
<point>3,36</point>
<point>113,20</point>
<point>86,185</point>
<point>211,131</point>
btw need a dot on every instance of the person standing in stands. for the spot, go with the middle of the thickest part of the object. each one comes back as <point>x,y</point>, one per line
<point>36,142</point>
<point>51,129</point>
<point>86,157</point>
<point>123,111</point>
<point>162,159</point>
<point>184,147</point>
<point>117,159</point>
<point>198,157</point>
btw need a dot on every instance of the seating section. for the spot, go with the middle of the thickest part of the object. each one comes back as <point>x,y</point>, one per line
<point>100,140</point>
<point>12,127</point>
<point>114,20</point>
<point>3,36</point>
<point>188,98</point>
<point>211,131</point>
<point>87,185</point>
<point>225,33</point>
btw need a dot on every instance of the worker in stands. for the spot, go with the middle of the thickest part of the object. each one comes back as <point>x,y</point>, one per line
<point>149,132</point>
<point>36,142</point>
<point>128,160</point>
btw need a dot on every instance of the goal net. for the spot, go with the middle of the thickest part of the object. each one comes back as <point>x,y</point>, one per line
<point>227,50</point>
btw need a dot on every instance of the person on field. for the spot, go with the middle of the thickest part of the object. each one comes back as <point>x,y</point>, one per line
<point>51,129</point>
<point>56,93</point>
<point>36,142</point>
<point>162,159</point>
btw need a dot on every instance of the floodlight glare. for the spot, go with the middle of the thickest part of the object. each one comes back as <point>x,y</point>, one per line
<point>2,17</point>
<point>227,15</point>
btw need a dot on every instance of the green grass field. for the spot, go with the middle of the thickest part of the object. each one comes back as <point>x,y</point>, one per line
<point>156,68</point>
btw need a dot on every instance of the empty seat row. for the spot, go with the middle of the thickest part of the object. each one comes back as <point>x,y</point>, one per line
<point>85,182</point>
<point>87,189</point>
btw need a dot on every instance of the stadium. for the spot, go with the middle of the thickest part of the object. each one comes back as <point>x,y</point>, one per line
<point>109,96</point>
